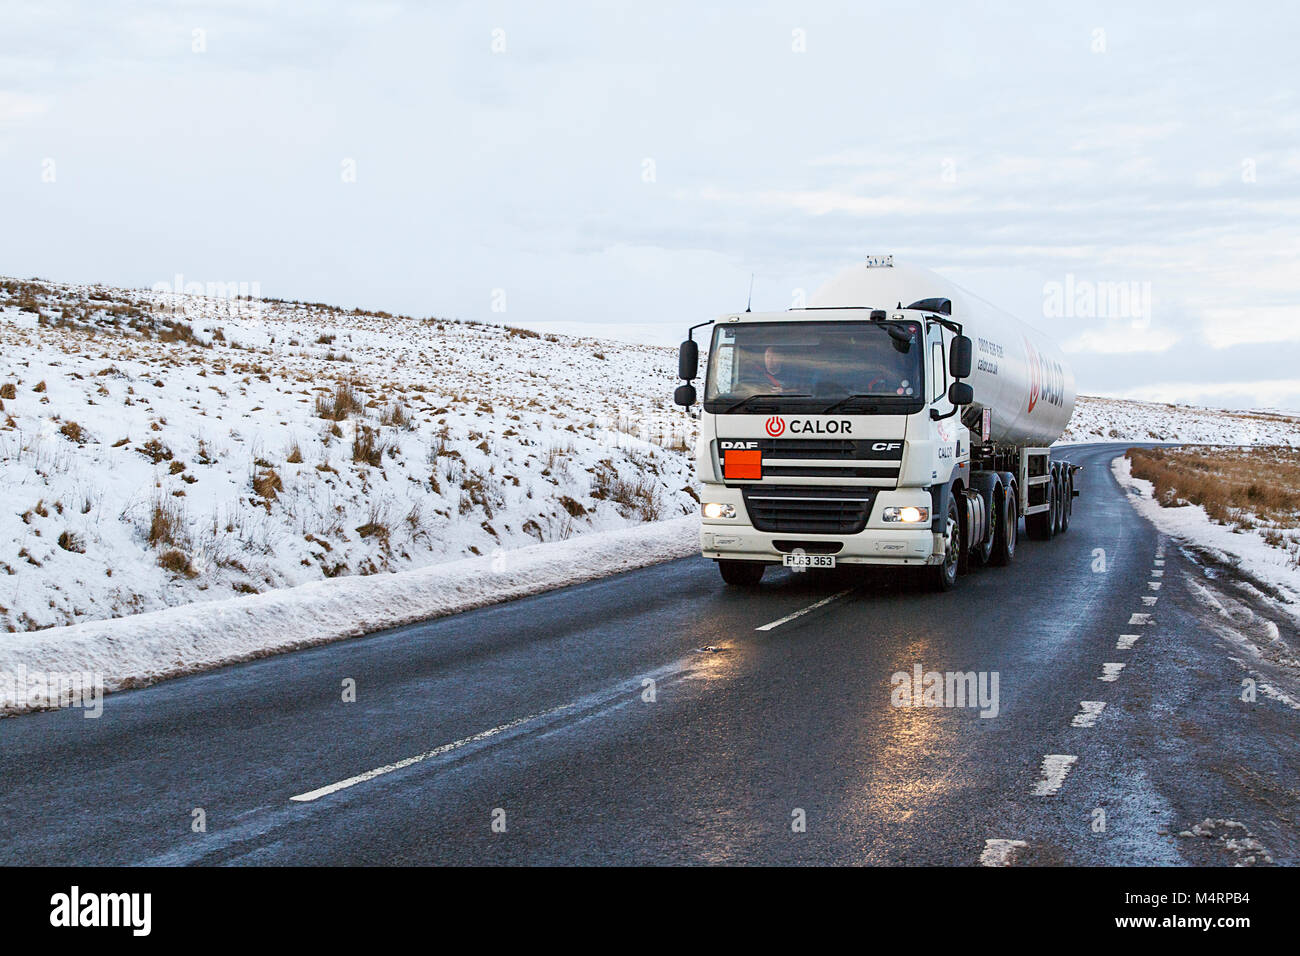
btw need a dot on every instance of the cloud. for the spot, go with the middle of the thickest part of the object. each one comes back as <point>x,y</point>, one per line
<point>16,107</point>
<point>1122,339</point>
<point>1227,327</point>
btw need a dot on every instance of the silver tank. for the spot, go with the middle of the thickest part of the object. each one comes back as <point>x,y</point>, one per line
<point>1019,374</point>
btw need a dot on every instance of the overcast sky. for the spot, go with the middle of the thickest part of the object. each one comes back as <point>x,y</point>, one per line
<point>623,169</point>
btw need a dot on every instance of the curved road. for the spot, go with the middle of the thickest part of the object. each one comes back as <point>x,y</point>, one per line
<point>650,718</point>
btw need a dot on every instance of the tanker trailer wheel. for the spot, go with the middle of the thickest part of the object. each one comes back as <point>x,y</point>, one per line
<point>944,576</point>
<point>1058,506</point>
<point>1042,526</point>
<point>741,573</point>
<point>1067,501</point>
<point>1006,525</point>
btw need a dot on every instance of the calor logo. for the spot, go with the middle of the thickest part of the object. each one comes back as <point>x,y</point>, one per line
<point>774,426</point>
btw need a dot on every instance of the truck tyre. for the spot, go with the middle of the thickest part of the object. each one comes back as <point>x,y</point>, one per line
<point>1067,501</point>
<point>1058,504</point>
<point>741,573</point>
<point>1006,528</point>
<point>984,551</point>
<point>1042,526</point>
<point>944,576</point>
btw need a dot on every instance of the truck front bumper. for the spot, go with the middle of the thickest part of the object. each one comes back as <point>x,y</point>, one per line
<point>879,542</point>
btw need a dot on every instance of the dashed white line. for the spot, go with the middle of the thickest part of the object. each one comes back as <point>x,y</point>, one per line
<point>1055,767</point>
<point>1157,573</point>
<point>1139,618</point>
<point>800,613</point>
<point>1089,711</point>
<point>1000,852</point>
<point>1149,599</point>
<point>1159,562</point>
<point>1126,642</point>
<point>1110,672</point>
<point>1154,585</point>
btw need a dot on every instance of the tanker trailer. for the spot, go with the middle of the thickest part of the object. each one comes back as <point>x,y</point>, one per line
<point>895,420</point>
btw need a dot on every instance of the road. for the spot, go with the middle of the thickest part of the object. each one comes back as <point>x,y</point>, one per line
<point>656,717</point>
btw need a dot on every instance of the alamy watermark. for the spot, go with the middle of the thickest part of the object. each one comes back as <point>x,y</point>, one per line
<point>1085,299</point>
<point>25,689</point>
<point>219,299</point>
<point>922,688</point>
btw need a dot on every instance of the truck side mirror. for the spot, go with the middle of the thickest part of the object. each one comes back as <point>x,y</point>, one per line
<point>961,355</point>
<point>960,393</point>
<point>688,361</point>
<point>685,395</point>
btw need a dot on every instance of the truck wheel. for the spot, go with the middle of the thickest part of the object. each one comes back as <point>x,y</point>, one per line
<point>1057,506</point>
<point>1067,502</point>
<point>741,573</point>
<point>984,553</point>
<point>1006,529</point>
<point>1042,526</point>
<point>944,576</point>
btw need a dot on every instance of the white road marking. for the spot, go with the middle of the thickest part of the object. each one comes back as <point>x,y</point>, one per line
<point>1089,711</point>
<point>1126,642</point>
<point>811,607</point>
<point>1160,562</point>
<point>1055,767</point>
<point>613,693</point>
<point>435,752</point>
<point>1149,599</point>
<point>1139,618</point>
<point>1157,573</point>
<point>1154,585</point>
<point>1000,852</point>
<point>1110,672</point>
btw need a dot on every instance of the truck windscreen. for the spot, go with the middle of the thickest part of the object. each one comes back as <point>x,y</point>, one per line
<point>812,366</point>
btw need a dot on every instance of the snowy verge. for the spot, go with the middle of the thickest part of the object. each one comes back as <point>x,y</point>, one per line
<point>143,648</point>
<point>1245,549</point>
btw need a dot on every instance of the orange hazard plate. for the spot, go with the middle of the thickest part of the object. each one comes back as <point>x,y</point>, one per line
<point>742,463</point>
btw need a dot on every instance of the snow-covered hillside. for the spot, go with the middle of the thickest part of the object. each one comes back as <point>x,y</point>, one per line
<point>161,450</point>
<point>1113,419</point>
<point>230,447</point>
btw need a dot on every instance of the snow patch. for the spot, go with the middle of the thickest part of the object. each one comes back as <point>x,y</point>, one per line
<point>144,648</point>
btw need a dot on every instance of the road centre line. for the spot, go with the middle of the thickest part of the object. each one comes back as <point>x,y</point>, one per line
<point>800,613</point>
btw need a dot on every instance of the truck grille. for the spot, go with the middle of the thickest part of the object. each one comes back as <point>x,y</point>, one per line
<point>792,509</point>
<point>840,458</point>
<point>835,449</point>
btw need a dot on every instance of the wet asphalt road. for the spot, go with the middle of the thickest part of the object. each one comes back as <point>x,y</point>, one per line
<point>535,714</point>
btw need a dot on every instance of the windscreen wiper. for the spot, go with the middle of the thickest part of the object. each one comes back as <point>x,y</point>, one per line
<point>771,396</point>
<point>849,398</point>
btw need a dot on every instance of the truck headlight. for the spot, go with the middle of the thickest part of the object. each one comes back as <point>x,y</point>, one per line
<point>715,509</point>
<point>907,515</point>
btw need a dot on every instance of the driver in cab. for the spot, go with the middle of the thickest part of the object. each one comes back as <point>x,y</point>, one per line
<point>774,370</point>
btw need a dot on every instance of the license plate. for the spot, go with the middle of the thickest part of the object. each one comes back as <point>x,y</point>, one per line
<point>808,560</point>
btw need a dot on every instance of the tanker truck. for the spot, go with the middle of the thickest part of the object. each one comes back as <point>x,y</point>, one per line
<point>895,420</point>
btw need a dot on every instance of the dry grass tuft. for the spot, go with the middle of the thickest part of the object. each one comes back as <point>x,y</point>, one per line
<point>166,522</point>
<point>71,541</point>
<point>343,402</point>
<point>73,432</point>
<point>178,562</point>
<point>155,451</point>
<point>267,484</point>
<point>367,446</point>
